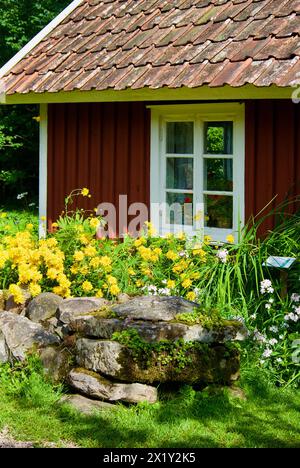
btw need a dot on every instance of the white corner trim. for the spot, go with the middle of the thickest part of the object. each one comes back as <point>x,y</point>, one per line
<point>38,38</point>
<point>43,171</point>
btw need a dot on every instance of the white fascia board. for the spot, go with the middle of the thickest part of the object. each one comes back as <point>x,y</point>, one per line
<point>204,93</point>
<point>38,38</point>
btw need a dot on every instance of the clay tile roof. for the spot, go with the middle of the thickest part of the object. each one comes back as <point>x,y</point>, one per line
<point>119,44</point>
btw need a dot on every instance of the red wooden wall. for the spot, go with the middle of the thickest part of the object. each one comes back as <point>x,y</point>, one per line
<point>106,147</point>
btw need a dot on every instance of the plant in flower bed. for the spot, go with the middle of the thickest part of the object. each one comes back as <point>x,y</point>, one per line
<point>227,278</point>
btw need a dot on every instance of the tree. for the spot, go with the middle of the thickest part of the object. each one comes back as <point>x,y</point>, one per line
<point>19,22</point>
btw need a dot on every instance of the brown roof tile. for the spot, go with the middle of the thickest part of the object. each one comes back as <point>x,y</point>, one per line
<point>116,44</point>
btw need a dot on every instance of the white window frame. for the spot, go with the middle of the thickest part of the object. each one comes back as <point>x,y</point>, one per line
<point>199,113</point>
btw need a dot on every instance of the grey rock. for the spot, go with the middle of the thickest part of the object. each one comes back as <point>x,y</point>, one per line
<point>2,300</point>
<point>154,308</point>
<point>85,405</point>
<point>43,307</point>
<point>99,356</point>
<point>122,298</point>
<point>96,386</point>
<point>70,308</point>
<point>56,362</point>
<point>94,326</point>
<point>21,335</point>
<point>4,356</point>
<point>202,363</point>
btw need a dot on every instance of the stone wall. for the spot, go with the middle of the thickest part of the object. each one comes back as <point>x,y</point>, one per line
<point>121,351</point>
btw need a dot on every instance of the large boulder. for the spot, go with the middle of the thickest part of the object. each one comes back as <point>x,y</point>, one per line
<point>4,356</point>
<point>20,336</point>
<point>43,307</point>
<point>86,406</point>
<point>70,308</point>
<point>195,364</point>
<point>56,361</point>
<point>154,308</point>
<point>96,386</point>
<point>98,327</point>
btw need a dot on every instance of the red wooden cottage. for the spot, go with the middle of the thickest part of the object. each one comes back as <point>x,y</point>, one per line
<point>160,101</point>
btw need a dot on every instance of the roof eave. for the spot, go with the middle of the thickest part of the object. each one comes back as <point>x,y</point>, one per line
<point>204,93</point>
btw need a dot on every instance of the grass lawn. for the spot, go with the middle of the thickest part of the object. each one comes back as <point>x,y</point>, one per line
<point>268,418</point>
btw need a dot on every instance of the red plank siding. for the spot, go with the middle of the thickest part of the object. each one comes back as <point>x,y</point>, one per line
<point>272,154</point>
<point>106,147</point>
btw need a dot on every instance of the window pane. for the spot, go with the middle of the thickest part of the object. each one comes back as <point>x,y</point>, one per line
<point>218,210</point>
<point>180,137</point>
<point>218,174</point>
<point>218,138</point>
<point>180,173</point>
<point>179,209</point>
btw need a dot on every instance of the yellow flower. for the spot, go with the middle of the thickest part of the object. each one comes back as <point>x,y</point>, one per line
<point>186,283</point>
<point>85,192</point>
<point>34,289</point>
<point>114,290</point>
<point>171,255</point>
<point>181,236</point>
<point>94,223</point>
<point>16,292</point>
<point>230,239</point>
<point>139,283</point>
<point>191,296</point>
<point>207,239</point>
<point>198,216</point>
<point>99,293</point>
<point>29,226</point>
<point>131,272</point>
<point>111,280</point>
<point>43,218</point>
<point>74,270</point>
<point>105,261</point>
<point>84,270</point>
<point>171,284</point>
<point>95,262</point>
<point>55,225</point>
<point>78,256</point>
<point>139,242</point>
<point>83,239</point>
<point>87,286</point>
<point>90,251</point>
<point>3,215</point>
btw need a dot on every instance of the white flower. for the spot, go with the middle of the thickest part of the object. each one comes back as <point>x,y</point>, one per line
<point>273,329</point>
<point>271,300</point>
<point>279,359</point>
<point>273,341</point>
<point>281,337</point>
<point>253,316</point>
<point>268,306</point>
<point>266,287</point>
<point>164,292</point>
<point>31,205</point>
<point>295,297</point>
<point>297,310</point>
<point>21,195</point>
<point>257,336</point>
<point>267,353</point>
<point>222,255</point>
<point>292,317</point>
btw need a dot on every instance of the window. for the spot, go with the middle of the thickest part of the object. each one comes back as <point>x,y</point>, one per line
<point>197,160</point>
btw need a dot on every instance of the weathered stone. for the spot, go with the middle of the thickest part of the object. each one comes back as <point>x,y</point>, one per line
<point>122,298</point>
<point>96,386</point>
<point>4,356</point>
<point>21,335</point>
<point>56,362</point>
<point>91,325</point>
<point>95,326</point>
<point>12,306</point>
<point>70,308</point>
<point>43,307</point>
<point>154,308</point>
<point>85,405</point>
<point>198,364</point>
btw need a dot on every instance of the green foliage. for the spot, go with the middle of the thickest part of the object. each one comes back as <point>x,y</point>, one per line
<point>209,318</point>
<point>26,381</point>
<point>19,22</point>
